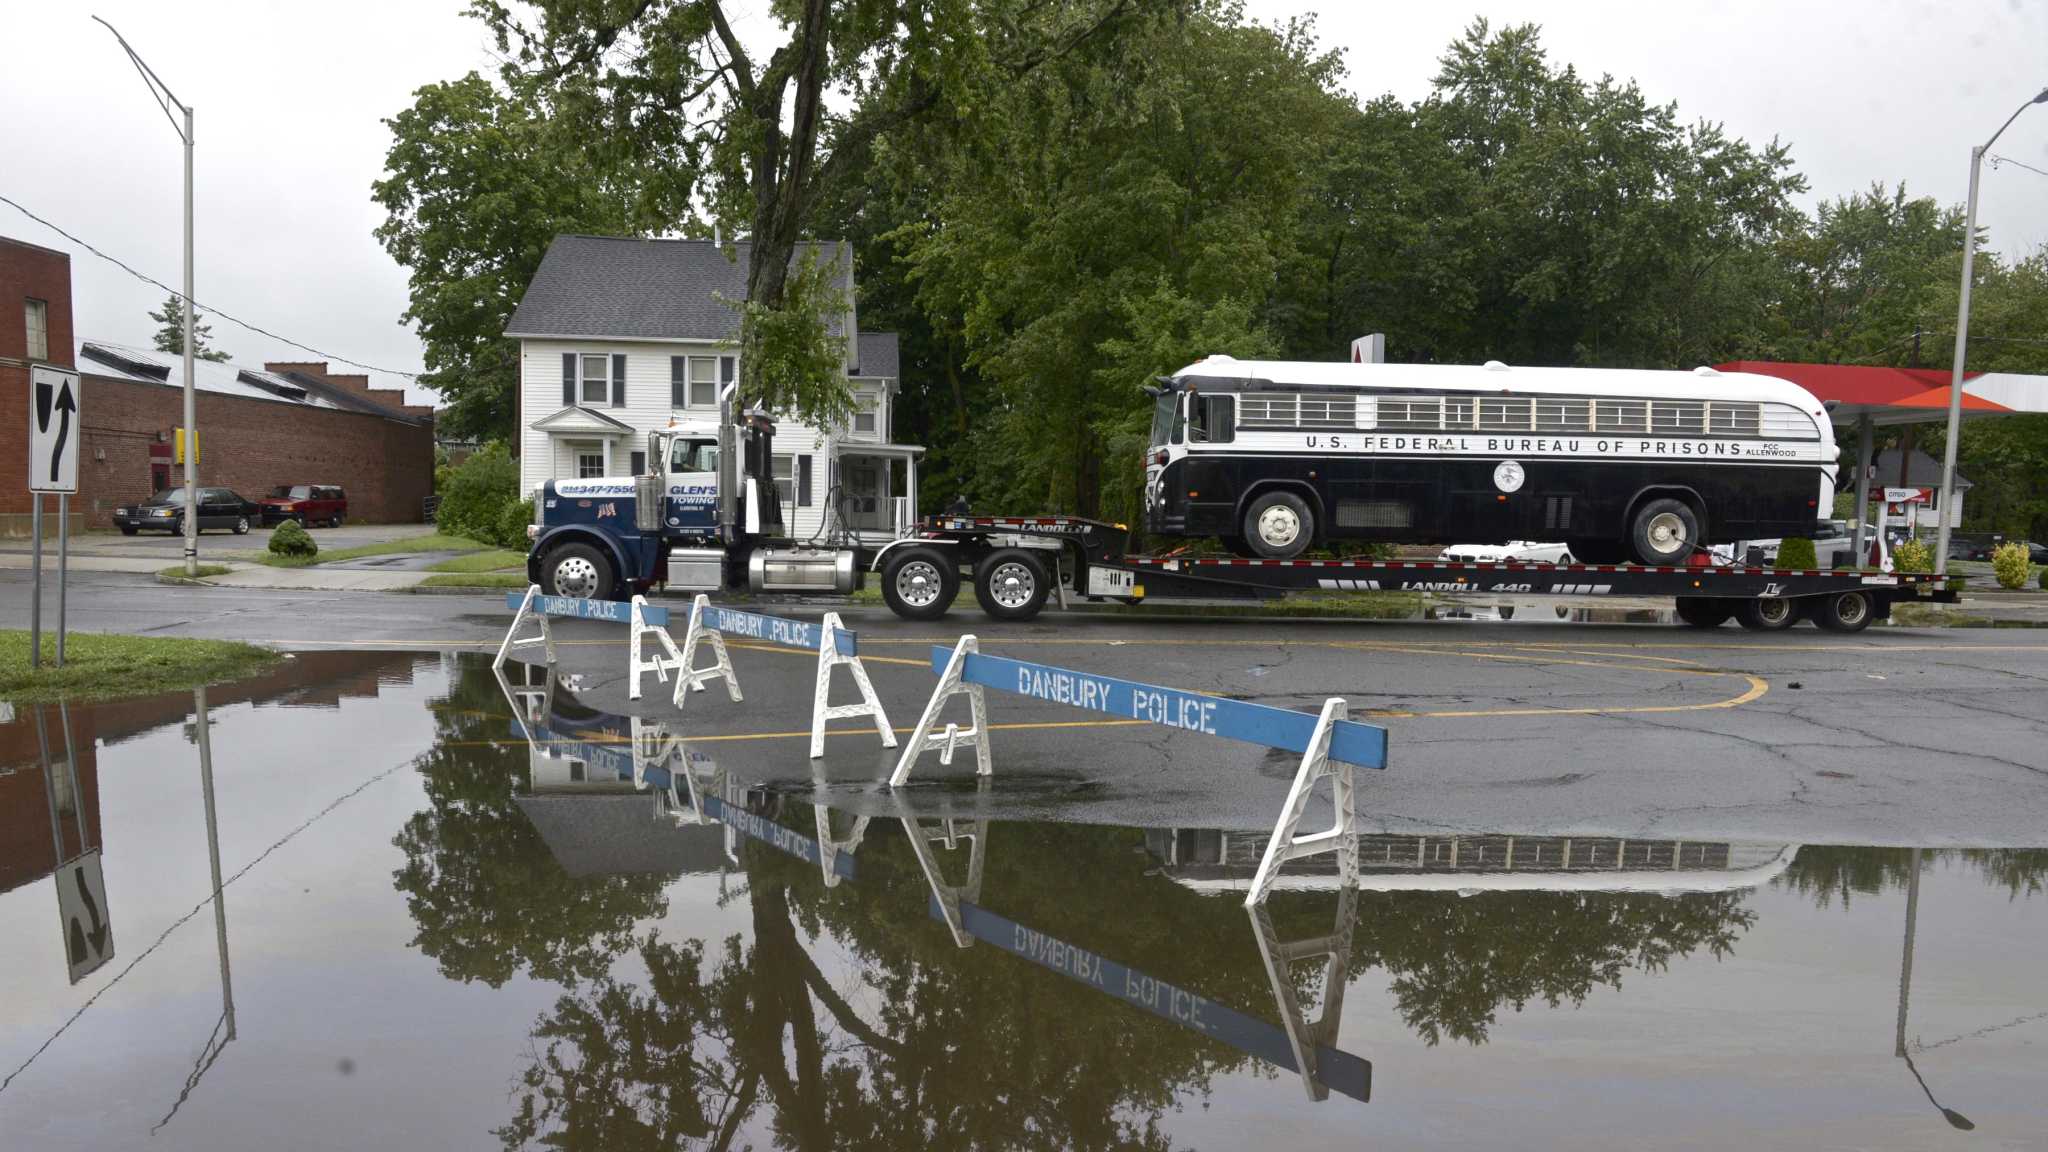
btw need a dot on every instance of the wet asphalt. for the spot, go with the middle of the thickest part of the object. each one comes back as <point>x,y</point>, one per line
<point>1925,737</point>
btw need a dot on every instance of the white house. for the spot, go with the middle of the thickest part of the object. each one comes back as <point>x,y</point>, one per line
<point>617,336</point>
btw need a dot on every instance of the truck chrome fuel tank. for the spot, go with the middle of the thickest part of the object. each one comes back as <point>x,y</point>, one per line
<point>802,570</point>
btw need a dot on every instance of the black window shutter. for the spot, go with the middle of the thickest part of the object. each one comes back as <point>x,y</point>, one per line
<point>725,369</point>
<point>568,378</point>
<point>803,481</point>
<point>679,381</point>
<point>618,380</point>
<point>639,463</point>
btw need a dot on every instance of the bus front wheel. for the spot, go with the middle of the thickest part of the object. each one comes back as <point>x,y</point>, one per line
<point>1279,526</point>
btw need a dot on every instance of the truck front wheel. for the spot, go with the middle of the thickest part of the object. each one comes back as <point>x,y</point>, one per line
<point>578,571</point>
<point>920,583</point>
<point>1011,584</point>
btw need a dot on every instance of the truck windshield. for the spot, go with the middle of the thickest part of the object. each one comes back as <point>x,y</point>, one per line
<point>1163,412</point>
<point>693,456</point>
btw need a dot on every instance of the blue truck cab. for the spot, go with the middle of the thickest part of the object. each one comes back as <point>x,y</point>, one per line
<point>700,518</point>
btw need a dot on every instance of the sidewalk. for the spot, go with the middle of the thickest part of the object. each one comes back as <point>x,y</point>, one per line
<point>85,563</point>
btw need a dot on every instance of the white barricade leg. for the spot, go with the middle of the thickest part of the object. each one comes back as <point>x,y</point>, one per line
<point>975,736</point>
<point>1341,838</point>
<point>831,848</point>
<point>530,702</point>
<point>514,640</point>
<point>691,678</point>
<point>829,657</point>
<point>659,664</point>
<point>1306,1037</point>
<point>947,832</point>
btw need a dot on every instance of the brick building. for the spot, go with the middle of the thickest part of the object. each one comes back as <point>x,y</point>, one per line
<point>285,423</point>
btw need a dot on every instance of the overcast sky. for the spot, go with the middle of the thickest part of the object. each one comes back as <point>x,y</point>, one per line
<point>290,100</point>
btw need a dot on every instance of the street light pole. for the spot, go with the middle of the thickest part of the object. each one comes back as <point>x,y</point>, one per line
<point>1955,384</point>
<point>162,94</point>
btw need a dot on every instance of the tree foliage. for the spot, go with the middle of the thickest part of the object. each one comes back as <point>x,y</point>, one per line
<point>170,333</point>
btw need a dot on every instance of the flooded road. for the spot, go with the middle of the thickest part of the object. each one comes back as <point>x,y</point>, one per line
<point>448,919</point>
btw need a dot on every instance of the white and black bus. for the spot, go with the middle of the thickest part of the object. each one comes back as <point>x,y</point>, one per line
<point>1276,456</point>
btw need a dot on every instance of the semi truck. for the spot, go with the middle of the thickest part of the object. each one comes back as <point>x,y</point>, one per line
<point>705,516</point>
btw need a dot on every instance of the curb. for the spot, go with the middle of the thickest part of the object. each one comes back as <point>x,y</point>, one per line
<point>186,581</point>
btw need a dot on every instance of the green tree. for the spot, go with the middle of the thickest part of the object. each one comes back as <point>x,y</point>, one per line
<point>170,334</point>
<point>478,180</point>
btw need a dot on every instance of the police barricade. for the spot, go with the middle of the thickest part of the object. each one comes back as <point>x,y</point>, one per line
<point>1299,1044</point>
<point>534,605</point>
<point>710,624</point>
<point>1331,745</point>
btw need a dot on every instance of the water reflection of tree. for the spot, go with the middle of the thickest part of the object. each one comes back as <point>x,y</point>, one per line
<point>487,898</point>
<point>973,1048</point>
<point>1828,873</point>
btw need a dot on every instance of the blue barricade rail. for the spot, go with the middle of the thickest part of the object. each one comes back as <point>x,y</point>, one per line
<point>1363,745</point>
<point>576,608</point>
<point>774,630</point>
<point>757,827</point>
<point>1342,1071</point>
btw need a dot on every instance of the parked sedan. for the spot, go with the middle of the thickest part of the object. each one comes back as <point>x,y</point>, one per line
<point>1514,552</point>
<point>165,512</point>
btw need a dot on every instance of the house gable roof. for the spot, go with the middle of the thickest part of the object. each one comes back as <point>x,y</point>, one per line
<point>625,288</point>
<point>875,355</point>
<point>576,418</point>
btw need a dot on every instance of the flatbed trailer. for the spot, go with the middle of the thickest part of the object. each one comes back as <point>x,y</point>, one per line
<point>1015,564</point>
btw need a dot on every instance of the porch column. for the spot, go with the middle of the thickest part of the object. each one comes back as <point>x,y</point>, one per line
<point>607,442</point>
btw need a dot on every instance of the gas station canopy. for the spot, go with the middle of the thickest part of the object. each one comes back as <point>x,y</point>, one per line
<point>1890,396</point>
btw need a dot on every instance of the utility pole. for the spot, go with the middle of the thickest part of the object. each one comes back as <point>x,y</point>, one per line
<point>1955,385</point>
<point>161,93</point>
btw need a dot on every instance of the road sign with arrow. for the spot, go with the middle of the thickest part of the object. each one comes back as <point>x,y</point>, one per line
<point>53,430</point>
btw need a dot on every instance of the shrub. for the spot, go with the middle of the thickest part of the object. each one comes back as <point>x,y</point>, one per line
<point>1797,553</point>
<point>1912,556</point>
<point>2044,580</point>
<point>512,522</point>
<point>2009,563</point>
<point>291,539</point>
<point>478,491</point>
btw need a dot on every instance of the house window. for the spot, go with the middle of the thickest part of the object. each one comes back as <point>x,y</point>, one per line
<point>589,461</point>
<point>864,413</point>
<point>596,376</point>
<point>38,316</point>
<point>703,382</point>
<point>785,480</point>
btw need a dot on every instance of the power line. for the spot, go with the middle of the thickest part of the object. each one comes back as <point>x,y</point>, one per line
<point>1997,160</point>
<point>198,307</point>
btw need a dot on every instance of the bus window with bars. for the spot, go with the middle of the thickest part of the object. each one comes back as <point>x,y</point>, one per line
<point>1268,411</point>
<point>1564,414</point>
<point>1461,412</point>
<point>1506,413</point>
<point>1327,411</point>
<point>1410,413</point>
<point>1621,415</point>
<point>1731,418</point>
<point>1678,417</point>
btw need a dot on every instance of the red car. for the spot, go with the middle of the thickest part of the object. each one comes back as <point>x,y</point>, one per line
<point>309,504</point>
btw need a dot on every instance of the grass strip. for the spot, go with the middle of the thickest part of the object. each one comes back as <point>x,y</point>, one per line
<point>431,542</point>
<point>475,580</point>
<point>98,666</point>
<point>488,560</point>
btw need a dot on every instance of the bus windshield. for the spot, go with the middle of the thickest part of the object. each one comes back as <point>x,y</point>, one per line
<point>1163,411</point>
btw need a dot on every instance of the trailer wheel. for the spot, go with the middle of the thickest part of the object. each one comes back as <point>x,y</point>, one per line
<point>1279,526</point>
<point>1664,532</point>
<point>920,583</point>
<point>578,571</point>
<point>1703,612</point>
<point>1844,612</point>
<point>1011,584</point>
<point>1768,614</point>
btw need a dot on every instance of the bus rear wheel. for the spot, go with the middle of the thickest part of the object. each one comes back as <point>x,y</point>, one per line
<point>1664,532</point>
<point>1703,612</point>
<point>920,583</point>
<point>1279,526</point>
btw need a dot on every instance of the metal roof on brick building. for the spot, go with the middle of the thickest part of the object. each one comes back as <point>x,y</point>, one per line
<point>149,366</point>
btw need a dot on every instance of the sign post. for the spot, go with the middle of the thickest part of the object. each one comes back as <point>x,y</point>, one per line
<point>53,436</point>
